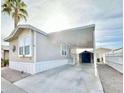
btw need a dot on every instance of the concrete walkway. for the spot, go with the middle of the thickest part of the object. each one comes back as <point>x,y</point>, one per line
<point>111,79</point>
<point>65,79</point>
<point>7,87</point>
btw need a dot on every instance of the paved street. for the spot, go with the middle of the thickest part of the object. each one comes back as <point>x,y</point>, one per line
<point>111,79</point>
<point>65,79</point>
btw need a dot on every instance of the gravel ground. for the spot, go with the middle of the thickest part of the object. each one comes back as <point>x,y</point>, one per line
<point>111,79</point>
<point>12,75</point>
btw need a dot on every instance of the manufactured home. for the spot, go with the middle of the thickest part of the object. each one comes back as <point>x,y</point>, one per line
<point>33,50</point>
<point>100,54</point>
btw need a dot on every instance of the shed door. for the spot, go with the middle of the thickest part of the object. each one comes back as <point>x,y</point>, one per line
<point>86,57</point>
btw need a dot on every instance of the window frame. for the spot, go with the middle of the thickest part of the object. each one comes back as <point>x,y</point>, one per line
<point>20,45</point>
<point>64,49</point>
<point>23,39</point>
<point>30,47</point>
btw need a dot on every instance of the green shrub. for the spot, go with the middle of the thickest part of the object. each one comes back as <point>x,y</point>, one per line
<point>6,62</point>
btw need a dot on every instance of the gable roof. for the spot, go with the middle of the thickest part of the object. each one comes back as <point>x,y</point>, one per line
<point>24,26</point>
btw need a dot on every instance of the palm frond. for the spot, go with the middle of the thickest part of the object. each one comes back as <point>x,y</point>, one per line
<point>6,10</point>
<point>22,16</point>
<point>23,4</point>
<point>23,11</point>
<point>15,8</point>
<point>4,5</point>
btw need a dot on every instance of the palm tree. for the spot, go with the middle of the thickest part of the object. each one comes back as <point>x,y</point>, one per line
<point>16,9</point>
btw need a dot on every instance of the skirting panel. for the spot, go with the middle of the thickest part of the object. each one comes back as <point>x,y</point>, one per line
<point>46,65</point>
<point>23,66</point>
<point>33,68</point>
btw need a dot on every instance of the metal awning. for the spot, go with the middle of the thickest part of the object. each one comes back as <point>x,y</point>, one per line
<point>80,37</point>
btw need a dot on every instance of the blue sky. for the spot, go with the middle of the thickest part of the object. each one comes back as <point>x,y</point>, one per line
<point>56,15</point>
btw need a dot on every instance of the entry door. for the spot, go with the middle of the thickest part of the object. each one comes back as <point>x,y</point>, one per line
<point>86,57</point>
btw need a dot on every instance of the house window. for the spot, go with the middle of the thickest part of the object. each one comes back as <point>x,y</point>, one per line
<point>25,46</point>
<point>27,50</point>
<point>20,50</point>
<point>20,47</point>
<point>64,50</point>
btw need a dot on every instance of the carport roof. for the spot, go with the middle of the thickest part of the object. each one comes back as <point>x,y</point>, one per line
<point>79,37</point>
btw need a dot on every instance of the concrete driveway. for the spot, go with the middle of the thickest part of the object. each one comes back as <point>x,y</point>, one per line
<point>65,79</point>
<point>7,87</point>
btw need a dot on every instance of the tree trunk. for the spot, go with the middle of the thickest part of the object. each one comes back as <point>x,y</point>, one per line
<point>16,18</point>
<point>15,22</point>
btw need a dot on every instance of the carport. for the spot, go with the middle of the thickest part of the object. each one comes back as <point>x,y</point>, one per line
<point>77,38</point>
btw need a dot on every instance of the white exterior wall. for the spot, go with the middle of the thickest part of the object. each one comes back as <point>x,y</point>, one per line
<point>14,56</point>
<point>48,55</point>
<point>46,50</point>
<point>41,59</point>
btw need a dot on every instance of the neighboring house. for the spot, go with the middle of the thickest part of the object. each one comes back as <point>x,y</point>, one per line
<point>4,52</point>
<point>100,54</point>
<point>33,51</point>
<point>114,59</point>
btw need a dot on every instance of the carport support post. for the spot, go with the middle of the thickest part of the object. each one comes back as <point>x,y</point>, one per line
<point>94,46</point>
<point>95,65</point>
